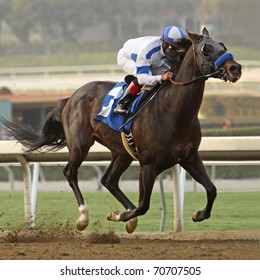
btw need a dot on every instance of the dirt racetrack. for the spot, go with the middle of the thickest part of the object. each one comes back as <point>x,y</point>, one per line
<point>70,245</point>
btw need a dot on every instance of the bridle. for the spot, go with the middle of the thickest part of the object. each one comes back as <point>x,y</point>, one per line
<point>218,70</point>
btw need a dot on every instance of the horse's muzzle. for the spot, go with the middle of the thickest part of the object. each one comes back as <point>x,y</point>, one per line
<point>233,71</point>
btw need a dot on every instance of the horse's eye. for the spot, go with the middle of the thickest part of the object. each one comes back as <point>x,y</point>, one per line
<point>206,49</point>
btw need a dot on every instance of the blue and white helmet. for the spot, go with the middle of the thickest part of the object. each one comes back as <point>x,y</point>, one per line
<point>172,33</point>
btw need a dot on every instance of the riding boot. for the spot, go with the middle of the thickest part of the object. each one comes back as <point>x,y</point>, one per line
<point>130,94</point>
<point>124,104</point>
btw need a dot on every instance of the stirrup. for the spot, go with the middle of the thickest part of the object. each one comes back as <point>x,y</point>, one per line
<point>120,110</point>
<point>124,104</point>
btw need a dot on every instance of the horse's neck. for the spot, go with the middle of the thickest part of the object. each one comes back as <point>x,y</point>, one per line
<point>189,72</point>
<point>186,99</point>
<point>188,68</point>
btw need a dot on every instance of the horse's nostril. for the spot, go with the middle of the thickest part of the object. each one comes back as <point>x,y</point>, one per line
<point>233,69</point>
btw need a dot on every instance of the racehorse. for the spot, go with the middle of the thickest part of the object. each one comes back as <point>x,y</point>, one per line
<point>166,132</point>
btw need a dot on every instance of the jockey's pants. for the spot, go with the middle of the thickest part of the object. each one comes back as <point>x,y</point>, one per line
<point>125,63</point>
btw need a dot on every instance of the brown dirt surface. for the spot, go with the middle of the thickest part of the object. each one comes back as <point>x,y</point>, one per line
<point>70,245</point>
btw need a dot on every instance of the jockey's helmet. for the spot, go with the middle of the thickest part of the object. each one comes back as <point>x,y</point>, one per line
<point>172,34</point>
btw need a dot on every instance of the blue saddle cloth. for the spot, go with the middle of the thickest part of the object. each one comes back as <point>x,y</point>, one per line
<point>107,115</point>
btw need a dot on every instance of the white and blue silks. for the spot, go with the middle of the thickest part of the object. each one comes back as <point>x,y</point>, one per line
<point>107,115</point>
<point>144,58</point>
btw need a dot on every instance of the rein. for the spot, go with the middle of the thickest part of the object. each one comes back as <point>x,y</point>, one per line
<point>205,77</point>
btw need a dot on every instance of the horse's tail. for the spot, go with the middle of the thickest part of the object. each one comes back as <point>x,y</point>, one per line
<point>52,134</point>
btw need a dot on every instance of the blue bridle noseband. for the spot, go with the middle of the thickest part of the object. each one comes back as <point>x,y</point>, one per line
<point>223,58</point>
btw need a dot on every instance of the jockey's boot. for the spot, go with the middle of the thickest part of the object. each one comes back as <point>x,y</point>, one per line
<point>130,94</point>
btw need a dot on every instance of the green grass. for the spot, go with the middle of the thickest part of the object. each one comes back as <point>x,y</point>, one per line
<point>232,211</point>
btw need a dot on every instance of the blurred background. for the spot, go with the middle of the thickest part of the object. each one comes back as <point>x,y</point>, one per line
<point>72,26</point>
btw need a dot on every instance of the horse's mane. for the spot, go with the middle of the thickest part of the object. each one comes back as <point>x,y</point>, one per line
<point>177,60</point>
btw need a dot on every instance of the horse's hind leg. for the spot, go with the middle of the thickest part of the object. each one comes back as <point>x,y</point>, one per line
<point>197,170</point>
<point>76,157</point>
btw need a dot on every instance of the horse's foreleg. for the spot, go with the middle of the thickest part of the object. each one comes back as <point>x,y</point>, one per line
<point>110,180</point>
<point>197,170</point>
<point>146,181</point>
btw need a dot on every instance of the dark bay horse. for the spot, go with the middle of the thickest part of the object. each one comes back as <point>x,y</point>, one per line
<point>167,131</point>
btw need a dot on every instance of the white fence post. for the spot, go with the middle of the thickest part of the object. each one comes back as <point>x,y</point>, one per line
<point>179,176</point>
<point>27,190</point>
<point>34,191</point>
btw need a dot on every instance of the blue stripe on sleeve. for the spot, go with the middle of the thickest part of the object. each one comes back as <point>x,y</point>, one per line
<point>152,51</point>
<point>134,56</point>
<point>143,70</point>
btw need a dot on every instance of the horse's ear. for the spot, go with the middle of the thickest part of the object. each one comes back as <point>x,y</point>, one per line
<point>194,37</point>
<point>205,31</point>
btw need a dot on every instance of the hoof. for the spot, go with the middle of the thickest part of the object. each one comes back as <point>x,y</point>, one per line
<point>199,216</point>
<point>113,216</point>
<point>131,225</point>
<point>81,224</point>
<point>194,217</point>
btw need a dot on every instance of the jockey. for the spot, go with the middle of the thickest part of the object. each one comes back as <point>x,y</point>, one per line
<point>147,58</point>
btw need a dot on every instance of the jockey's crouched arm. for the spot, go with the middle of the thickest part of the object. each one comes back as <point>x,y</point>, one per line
<point>167,76</point>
